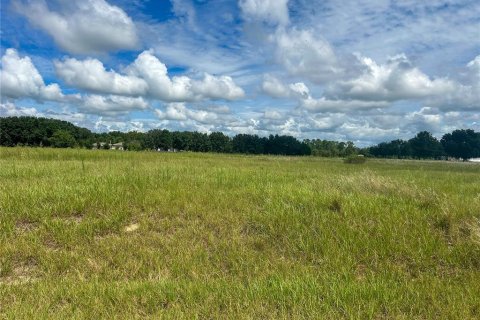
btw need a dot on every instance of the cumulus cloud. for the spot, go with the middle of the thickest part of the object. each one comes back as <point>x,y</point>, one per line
<point>147,75</point>
<point>111,105</point>
<point>222,87</point>
<point>304,54</point>
<point>274,87</point>
<point>9,109</point>
<point>299,89</point>
<point>178,111</point>
<point>109,124</point>
<point>83,27</point>
<point>300,92</point>
<point>466,95</point>
<point>181,88</point>
<point>270,11</point>
<point>20,79</point>
<point>397,79</point>
<point>90,74</point>
<point>380,85</point>
<point>155,73</point>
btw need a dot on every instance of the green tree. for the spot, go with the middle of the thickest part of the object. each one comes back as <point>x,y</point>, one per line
<point>463,144</point>
<point>424,145</point>
<point>133,145</point>
<point>219,142</point>
<point>62,139</point>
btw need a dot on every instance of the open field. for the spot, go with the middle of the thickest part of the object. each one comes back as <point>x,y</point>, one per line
<point>105,234</point>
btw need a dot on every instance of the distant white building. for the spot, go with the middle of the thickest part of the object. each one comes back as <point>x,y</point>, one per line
<point>474,160</point>
<point>116,146</point>
<point>111,146</point>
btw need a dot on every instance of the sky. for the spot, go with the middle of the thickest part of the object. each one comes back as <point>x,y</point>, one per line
<point>359,70</point>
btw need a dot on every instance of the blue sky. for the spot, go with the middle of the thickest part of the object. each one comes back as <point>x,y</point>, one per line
<point>365,71</point>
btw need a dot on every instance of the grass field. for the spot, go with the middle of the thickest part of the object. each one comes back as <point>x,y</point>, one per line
<point>106,234</point>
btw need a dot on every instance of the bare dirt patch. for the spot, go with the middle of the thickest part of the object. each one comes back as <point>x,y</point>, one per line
<point>24,226</point>
<point>21,274</point>
<point>132,227</point>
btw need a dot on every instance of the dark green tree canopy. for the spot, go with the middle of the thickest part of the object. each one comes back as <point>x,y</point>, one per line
<point>462,144</point>
<point>424,145</point>
<point>62,139</point>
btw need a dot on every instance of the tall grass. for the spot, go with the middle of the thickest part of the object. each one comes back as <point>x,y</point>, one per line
<point>106,234</point>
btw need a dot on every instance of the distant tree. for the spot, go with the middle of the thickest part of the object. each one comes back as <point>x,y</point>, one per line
<point>219,142</point>
<point>393,149</point>
<point>182,140</point>
<point>285,145</point>
<point>463,144</point>
<point>350,149</point>
<point>133,145</point>
<point>248,143</point>
<point>62,139</point>
<point>199,142</point>
<point>156,138</point>
<point>326,148</point>
<point>424,145</point>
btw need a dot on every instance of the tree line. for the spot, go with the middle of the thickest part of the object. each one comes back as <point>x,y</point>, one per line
<point>32,131</point>
<point>459,144</point>
<point>43,132</point>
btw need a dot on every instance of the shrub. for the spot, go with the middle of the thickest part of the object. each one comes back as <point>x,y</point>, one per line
<point>355,159</point>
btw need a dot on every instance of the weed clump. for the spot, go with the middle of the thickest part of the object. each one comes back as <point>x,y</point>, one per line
<point>355,159</point>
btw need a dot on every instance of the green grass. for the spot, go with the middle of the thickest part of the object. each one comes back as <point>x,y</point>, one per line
<point>106,234</point>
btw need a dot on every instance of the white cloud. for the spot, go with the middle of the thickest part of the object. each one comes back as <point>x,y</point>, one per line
<point>111,105</point>
<point>222,87</point>
<point>155,73</point>
<point>146,76</point>
<point>473,71</point>
<point>221,109</point>
<point>380,85</point>
<point>323,105</point>
<point>184,9</point>
<point>108,124</point>
<point>273,115</point>
<point>300,89</point>
<point>91,26</point>
<point>277,89</point>
<point>9,109</point>
<point>396,80</point>
<point>300,92</point>
<point>364,131</point>
<point>425,118</point>
<point>466,95</point>
<point>177,111</point>
<point>90,74</point>
<point>274,87</point>
<point>304,54</point>
<point>271,11</point>
<point>20,79</point>
<point>174,111</point>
